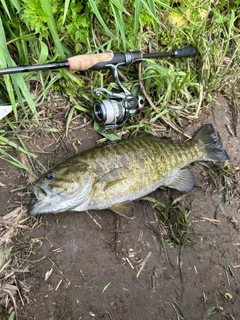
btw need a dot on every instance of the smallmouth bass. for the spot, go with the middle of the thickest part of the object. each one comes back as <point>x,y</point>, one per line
<point>111,176</point>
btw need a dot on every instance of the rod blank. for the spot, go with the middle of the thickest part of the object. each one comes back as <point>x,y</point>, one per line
<point>36,67</point>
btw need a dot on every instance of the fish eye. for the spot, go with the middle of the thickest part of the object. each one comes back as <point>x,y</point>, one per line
<point>50,176</point>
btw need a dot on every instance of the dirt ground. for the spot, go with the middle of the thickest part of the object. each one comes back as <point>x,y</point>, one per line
<point>98,265</point>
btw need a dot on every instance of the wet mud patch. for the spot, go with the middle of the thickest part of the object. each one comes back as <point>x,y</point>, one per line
<point>97,265</point>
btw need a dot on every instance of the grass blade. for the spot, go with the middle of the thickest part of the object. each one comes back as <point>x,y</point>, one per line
<point>109,136</point>
<point>46,5</point>
<point>15,162</point>
<point>17,79</point>
<point>6,141</point>
<point>5,7</point>
<point>209,313</point>
<point>11,317</point>
<point>99,17</point>
<point>117,12</point>
<point>66,6</point>
<point>138,7</point>
<point>16,4</point>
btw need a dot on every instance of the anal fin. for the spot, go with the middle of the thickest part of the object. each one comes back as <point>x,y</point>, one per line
<point>125,209</point>
<point>183,181</point>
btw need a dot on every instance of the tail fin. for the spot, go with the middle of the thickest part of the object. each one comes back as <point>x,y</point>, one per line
<point>214,151</point>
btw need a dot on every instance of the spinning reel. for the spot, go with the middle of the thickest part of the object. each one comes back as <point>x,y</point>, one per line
<point>116,108</point>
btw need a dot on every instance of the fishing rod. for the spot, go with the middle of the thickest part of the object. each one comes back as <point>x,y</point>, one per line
<point>115,109</point>
<point>99,61</point>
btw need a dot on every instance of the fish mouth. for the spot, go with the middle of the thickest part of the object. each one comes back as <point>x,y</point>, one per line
<point>42,200</point>
<point>39,191</point>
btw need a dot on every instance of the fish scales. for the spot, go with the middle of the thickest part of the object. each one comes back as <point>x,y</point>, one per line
<point>113,175</point>
<point>143,158</point>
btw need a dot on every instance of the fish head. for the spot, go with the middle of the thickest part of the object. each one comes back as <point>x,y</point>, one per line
<point>65,187</point>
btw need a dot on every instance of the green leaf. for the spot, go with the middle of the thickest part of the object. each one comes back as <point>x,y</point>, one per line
<point>106,286</point>
<point>5,7</point>
<point>16,4</point>
<point>17,79</point>
<point>80,108</point>
<point>15,162</point>
<point>209,313</point>
<point>11,317</point>
<point>109,136</point>
<point>120,26</point>
<point>43,53</point>
<point>66,7</point>
<point>138,7</point>
<point>99,17</point>
<point>47,8</point>
<point>14,145</point>
<point>69,118</point>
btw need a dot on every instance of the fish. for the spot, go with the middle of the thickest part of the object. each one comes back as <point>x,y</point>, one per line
<point>113,175</point>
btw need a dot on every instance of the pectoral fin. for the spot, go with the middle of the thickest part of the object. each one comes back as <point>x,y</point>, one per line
<point>113,178</point>
<point>113,183</point>
<point>125,209</point>
<point>183,181</point>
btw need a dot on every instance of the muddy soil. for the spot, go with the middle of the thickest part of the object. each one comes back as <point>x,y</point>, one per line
<point>98,265</point>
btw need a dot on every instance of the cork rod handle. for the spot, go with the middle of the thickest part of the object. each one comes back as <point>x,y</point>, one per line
<point>89,61</point>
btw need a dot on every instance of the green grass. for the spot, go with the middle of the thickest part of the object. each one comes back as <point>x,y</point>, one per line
<point>51,31</point>
<point>174,216</point>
